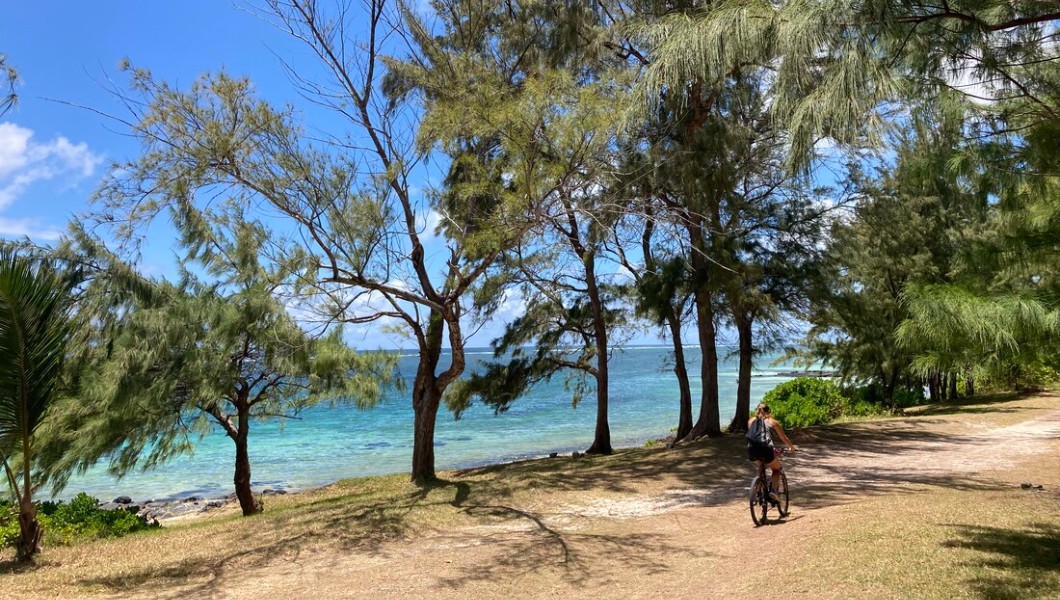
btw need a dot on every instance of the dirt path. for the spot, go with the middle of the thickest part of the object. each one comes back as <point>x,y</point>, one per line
<point>679,542</point>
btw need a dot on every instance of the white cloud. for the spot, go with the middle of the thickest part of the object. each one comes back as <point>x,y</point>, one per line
<point>24,162</point>
<point>17,228</point>
<point>428,223</point>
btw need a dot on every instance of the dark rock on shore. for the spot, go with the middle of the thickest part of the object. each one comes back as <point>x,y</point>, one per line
<point>160,510</point>
<point>126,506</point>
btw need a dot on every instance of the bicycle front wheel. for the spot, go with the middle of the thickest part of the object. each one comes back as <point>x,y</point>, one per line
<point>759,501</point>
<point>782,493</point>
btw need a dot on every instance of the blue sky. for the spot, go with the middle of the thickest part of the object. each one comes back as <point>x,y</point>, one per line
<point>52,154</point>
<point>55,146</point>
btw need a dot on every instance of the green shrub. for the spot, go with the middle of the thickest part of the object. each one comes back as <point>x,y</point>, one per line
<point>1017,377</point>
<point>867,400</point>
<point>906,397</point>
<point>8,524</point>
<point>805,401</point>
<point>79,519</point>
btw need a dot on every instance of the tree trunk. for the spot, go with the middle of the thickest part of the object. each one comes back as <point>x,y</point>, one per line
<point>953,387</point>
<point>889,386</point>
<point>247,502</point>
<point>684,419</point>
<point>709,422</point>
<point>673,319</point>
<point>933,388</point>
<point>425,401</point>
<point>30,532</point>
<point>743,383</point>
<point>969,383</point>
<point>602,436</point>
<point>426,398</point>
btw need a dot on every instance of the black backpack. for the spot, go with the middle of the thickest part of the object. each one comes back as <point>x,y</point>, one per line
<point>758,434</point>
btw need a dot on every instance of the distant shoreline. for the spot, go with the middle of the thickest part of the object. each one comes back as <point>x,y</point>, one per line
<point>809,373</point>
<point>336,443</point>
<point>190,504</point>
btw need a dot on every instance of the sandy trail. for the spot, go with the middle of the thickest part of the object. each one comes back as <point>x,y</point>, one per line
<point>654,543</point>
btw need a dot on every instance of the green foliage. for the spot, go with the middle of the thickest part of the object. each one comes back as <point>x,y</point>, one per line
<point>869,400</point>
<point>810,401</point>
<point>1030,376</point>
<point>35,327</point>
<point>906,231</point>
<point>805,401</point>
<point>193,357</point>
<point>78,520</point>
<point>8,79</point>
<point>842,60</point>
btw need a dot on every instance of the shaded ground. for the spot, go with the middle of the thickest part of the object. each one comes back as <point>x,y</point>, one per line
<point>922,506</point>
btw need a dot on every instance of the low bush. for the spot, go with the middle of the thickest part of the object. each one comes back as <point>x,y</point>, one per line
<point>868,400</point>
<point>1017,377</point>
<point>906,397</point>
<point>805,401</point>
<point>810,401</point>
<point>67,522</point>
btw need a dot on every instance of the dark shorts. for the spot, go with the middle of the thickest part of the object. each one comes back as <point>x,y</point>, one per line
<point>762,453</point>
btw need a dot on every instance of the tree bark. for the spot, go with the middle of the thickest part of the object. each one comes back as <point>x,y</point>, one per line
<point>969,383</point>
<point>684,419</point>
<point>743,383</point>
<point>30,532</point>
<point>953,387</point>
<point>602,436</point>
<point>673,319</point>
<point>425,401</point>
<point>244,494</point>
<point>933,388</point>
<point>426,398</point>
<point>709,422</point>
<point>889,386</point>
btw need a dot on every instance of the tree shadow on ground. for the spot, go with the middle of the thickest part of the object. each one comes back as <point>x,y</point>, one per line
<point>838,465</point>
<point>13,567</point>
<point>970,405</point>
<point>851,461</point>
<point>579,558</point>
<point>1014,563</point>
<point>482,496</point>
<point>190,577</point>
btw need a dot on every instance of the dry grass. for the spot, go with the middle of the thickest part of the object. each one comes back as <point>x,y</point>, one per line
<point>359,515</point>
<point>937,543</point>
<point>941,537</point>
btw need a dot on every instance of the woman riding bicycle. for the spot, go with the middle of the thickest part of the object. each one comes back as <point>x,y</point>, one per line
<point>767,454</point>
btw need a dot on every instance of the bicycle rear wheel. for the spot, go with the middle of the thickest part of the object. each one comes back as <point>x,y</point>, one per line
<point>759,501</point>
<point>782,493</point>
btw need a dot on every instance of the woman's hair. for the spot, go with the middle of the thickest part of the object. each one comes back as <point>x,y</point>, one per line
<point>762,410</point>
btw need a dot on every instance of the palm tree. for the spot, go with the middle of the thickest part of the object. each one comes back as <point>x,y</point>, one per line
<point>34,328</point>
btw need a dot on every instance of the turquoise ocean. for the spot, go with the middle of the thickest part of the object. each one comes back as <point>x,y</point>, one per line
<point>328,443</point>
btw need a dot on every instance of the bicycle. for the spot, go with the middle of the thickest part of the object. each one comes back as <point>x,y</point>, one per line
<point>759,494</point>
